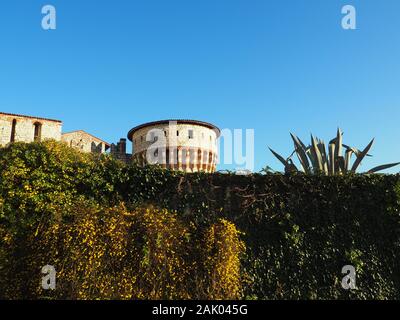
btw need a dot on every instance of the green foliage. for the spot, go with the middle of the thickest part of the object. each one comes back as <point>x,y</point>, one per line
<point>110,253</point>
<point>315,158</point>
<point>299,230</point>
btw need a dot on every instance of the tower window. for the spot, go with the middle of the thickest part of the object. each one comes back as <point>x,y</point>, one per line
<point>14,125</point>
<point>191,134</point>
<point>37,135</point>
<point>177,132</point>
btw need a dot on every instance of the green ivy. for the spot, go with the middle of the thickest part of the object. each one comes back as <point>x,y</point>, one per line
<point>300,230</point>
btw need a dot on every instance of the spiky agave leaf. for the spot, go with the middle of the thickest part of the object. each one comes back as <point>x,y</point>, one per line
<point>300,149</point>
<point>332,159</point>
<point>338,149</point>
<point>291,167</point>
<point>383,167</point>
<point>279,157</point>
<point>312,158</point>
<point>317,154</point>
<point>321,147</point>
<point>347,159</point>
<point>341,164</point>
<point>355,150</point>
<point>361,156</point>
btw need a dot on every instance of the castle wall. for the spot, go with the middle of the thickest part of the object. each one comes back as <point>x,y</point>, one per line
<point>24,129</point>
<point>84,142</point>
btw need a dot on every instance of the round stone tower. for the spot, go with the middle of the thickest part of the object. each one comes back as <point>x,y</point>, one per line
<point>186,145</point>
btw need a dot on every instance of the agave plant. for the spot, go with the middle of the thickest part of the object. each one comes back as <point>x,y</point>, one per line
<point>315,158</point>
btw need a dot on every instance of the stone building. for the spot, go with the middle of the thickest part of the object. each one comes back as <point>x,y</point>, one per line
<point>23,128</point>
<point>85,142</point>
<point>186,145</point>
<point>20,128</point>
<point>119,151</point>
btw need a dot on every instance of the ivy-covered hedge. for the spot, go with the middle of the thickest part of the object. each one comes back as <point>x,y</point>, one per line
<point>299,230</point>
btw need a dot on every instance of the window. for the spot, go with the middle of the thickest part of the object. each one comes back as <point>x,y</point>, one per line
<point>190,134</point>
<point>167,157</point>
<point>37,135</point>
<point>177,133</point>
<point>156,153</point>
<point>14,124</point>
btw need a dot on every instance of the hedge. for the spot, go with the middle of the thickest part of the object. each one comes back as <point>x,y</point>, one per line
<point>299,230</point>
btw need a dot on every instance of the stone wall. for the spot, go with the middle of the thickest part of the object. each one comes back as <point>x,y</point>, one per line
<point>18,128</point>
<point>84,142</point>
<point>118,151</point>
<point>188,147</point>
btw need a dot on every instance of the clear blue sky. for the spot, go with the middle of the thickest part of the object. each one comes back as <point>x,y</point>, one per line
<point>274,66</point>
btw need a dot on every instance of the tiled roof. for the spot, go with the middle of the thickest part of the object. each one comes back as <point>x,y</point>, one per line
<point>25,116</point>
<point>178,121</point>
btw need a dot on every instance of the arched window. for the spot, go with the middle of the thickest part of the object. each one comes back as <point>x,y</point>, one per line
<point>13,127</point>
<point>37,135</point>
<point>167,157</point>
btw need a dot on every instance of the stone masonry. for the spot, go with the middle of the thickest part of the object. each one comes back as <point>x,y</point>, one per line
<point>85,142</point>
<point>19,128</point>
<point>184,145</point>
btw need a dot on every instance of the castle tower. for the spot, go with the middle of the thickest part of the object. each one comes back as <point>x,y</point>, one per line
<point>185,145</point>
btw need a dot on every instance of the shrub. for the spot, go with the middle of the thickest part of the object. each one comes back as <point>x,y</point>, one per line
<point>115,254</point>
<point>299,230</point>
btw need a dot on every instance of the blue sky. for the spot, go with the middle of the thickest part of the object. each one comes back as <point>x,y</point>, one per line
<point>273,66</point>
